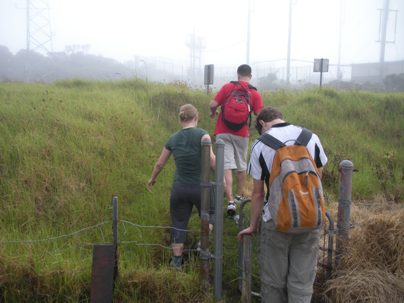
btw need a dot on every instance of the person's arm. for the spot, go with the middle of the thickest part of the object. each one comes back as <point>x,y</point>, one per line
<point>213,105</point>
<point>257,201</point>
<point>164,156</point>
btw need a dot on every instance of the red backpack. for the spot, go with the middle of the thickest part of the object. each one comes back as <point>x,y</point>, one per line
<point>236,111</point>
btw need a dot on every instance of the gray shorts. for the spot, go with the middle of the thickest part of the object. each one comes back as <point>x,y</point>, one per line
<point>288,264</point>
<point>235,151</point>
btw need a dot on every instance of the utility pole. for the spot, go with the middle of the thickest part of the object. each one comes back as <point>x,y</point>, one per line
<point>289,44</point>
<point>383,34</point>
<point>248,32</point>
<point>341,14</point>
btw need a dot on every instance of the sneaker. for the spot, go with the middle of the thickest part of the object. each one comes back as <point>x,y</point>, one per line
<point>177,262</point>
<point>238,199</point>
<point>231,208</point>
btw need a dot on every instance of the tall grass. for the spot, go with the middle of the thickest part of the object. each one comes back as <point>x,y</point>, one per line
<point>66,148</point>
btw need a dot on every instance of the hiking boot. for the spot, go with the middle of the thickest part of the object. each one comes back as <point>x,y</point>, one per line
<point>231,208</point>
<point>239,199</point>
<point>177,262</point>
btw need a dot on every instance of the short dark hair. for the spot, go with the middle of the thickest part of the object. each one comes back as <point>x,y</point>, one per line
<point>267,114</point>
<point>244,70</point>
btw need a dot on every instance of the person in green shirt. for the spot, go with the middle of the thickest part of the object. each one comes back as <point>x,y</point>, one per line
<point>185,145</point>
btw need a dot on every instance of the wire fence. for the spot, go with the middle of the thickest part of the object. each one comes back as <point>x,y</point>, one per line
<point>98,226</point>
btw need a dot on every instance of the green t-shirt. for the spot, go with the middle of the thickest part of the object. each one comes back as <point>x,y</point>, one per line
<point>185,145</point>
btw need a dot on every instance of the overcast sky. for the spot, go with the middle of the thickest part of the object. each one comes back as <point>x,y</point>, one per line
<point>122,29</point>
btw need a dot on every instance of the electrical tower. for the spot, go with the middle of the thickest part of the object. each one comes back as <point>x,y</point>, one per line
<point>196,45</point>
<point>39,34</point>
<point>385,21</point>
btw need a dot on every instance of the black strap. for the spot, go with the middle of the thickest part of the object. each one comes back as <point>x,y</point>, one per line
<point>249,85</point>
<point>271,141</point>
<point>304,137</point>
<point>275,144</point>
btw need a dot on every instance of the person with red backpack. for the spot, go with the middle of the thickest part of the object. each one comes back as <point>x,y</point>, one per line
<point>288,160</point>
<point>237,100</point>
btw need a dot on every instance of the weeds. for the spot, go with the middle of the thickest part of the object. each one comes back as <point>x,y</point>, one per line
<point>67,148</point>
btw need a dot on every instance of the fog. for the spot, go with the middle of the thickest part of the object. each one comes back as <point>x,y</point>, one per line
<point>225,32</point>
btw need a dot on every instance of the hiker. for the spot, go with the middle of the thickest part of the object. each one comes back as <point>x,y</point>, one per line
<point>185,145</point>
<point>237,100</point>
<point>288,248</point>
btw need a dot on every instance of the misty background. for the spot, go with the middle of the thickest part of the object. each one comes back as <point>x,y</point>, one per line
<point>168,41</point>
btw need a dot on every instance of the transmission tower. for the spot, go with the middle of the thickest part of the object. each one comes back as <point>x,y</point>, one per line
<point>383,28</point>
<point>196,45</point>
<point>39,34</point>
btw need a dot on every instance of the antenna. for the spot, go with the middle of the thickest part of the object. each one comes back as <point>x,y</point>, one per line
<point>196,45</point>
<point>39,34</point>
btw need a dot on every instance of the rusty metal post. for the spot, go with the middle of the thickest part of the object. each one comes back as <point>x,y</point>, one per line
<point>103,271</point>
<point>247,268</point>
<point>105,264</point>
<point>344,205</point>
<point>219,220</point>
<point>205,206</point>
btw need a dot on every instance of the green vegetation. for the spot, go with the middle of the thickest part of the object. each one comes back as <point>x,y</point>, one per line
<point>66,148</point>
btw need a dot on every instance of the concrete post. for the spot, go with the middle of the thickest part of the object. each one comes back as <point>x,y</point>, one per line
<point>344,205</point>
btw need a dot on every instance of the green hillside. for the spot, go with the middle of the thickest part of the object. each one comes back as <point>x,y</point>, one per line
<point>68,147</point>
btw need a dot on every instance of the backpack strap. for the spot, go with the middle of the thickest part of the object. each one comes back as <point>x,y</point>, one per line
<point>304,137</point>
<point>271,141</point>
<point>249,85</point>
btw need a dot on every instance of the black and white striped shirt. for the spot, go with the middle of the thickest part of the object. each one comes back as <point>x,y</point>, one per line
<point>261,156</point>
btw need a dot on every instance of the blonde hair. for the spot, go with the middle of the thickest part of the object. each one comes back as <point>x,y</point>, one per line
<point>187,112</point>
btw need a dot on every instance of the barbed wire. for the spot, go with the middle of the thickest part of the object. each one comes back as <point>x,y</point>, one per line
<point>158,227</point>
<point>55,237</point>
<point>137,243</point>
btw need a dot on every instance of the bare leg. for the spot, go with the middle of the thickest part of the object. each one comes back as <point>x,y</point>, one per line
<point>228,177</point>
<point>178,248</point>
<point>241,176</point>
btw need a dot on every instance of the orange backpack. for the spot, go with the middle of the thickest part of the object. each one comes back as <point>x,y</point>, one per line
<point>296,200</point>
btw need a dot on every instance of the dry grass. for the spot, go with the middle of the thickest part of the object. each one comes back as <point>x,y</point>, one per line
<point>367,285</point>
<point>372,264</point>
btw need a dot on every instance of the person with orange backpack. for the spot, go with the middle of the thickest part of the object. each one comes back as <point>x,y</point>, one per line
<point>288,160</point>
<point>237,100</point>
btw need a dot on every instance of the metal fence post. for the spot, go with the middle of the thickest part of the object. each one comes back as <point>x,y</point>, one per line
<point>330,248</point>
<point>247,268</point>
<point>205,206</point>
<point>344,205</point>
<point>219,219</point>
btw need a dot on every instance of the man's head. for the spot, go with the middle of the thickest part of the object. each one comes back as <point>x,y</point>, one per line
<point>266,118</point>
<point>244,71</point>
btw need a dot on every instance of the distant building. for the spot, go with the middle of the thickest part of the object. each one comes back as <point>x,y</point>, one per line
<point>372,73</point>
